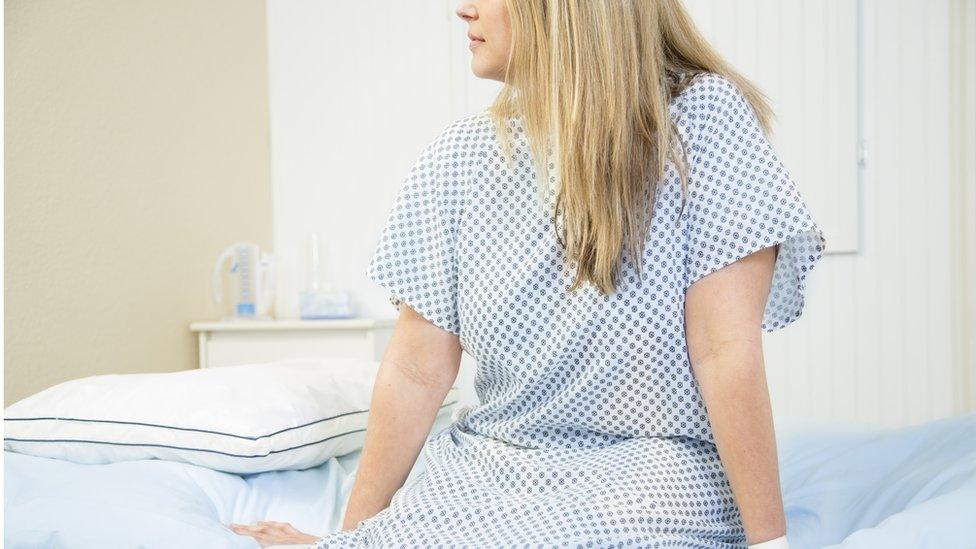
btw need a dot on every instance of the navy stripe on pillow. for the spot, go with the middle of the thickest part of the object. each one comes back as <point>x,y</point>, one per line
<point>201,430</point>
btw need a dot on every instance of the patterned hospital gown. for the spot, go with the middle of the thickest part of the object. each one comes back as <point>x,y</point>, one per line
<point>591,431</point>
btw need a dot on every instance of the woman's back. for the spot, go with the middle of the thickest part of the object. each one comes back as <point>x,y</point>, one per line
<point>471,249</point>
<point>591,427</point>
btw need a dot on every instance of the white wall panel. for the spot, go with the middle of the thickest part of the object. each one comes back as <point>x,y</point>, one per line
<point>357,90</point>
<point>875,343</point>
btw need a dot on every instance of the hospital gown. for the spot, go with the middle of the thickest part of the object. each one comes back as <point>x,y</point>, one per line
<point>591,431</point>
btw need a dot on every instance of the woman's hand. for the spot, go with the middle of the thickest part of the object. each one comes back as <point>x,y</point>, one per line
<point>273,533</point>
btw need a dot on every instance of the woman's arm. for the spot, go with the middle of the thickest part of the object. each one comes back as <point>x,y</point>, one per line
<point>723,316</point>
<point>419,367</point>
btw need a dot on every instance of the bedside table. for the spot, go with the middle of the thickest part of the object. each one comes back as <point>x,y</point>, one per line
<point>227,343</point>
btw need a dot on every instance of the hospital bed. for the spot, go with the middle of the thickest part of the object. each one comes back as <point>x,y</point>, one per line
<point>909,487</point>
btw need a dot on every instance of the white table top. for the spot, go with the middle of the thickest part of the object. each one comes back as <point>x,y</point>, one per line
<point>290,324</point>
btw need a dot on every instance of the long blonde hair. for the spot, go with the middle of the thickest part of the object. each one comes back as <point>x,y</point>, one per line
<point>592,81</point>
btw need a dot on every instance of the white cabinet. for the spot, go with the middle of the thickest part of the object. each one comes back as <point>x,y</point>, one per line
<point>228,343</point>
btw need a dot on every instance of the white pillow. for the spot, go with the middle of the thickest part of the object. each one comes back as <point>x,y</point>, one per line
<point>250,418</point>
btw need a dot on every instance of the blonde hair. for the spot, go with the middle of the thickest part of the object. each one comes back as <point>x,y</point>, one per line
<point>592,81</point>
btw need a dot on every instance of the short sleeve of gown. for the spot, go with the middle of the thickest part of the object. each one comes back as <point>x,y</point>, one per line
<point>742,199</point>
<point>415,256</point>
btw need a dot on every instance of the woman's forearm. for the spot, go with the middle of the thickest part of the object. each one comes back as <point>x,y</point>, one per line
<point>402,411</point>
<point>733,386</point>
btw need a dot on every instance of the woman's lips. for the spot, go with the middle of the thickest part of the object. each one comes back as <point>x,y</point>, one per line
<point>475,43</point>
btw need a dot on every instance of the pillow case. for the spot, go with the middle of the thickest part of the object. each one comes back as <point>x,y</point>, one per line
<point>250,418</point>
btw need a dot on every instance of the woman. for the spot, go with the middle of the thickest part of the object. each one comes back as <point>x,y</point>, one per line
<point>613,283</point>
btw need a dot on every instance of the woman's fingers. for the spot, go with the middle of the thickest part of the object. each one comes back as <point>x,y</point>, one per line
<point>271,532</point>
<point>249,529</point>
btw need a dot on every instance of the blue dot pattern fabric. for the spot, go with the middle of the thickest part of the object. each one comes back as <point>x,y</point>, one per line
<point>591,431</point>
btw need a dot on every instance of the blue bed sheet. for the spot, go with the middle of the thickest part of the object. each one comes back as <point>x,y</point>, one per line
<point>911,487</point>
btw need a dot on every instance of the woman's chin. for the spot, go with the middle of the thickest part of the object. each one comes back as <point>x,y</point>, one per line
<point>484,70</point>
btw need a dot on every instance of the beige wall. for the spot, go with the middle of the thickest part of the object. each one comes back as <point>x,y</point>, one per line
<point>136,149</point>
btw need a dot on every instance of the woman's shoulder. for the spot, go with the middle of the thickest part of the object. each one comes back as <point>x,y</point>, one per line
<point>708,90</point>
<point>710,100</point>
<point>444,165</point>
<point>467,129</point>
<point>457,139</point>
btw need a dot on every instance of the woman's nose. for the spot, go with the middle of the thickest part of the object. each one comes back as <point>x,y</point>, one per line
<point>466,11</point>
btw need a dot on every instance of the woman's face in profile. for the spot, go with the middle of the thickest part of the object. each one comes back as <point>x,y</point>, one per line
<point>489,35</point>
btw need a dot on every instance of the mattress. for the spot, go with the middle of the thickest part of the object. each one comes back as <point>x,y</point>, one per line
<point>909,487</point>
